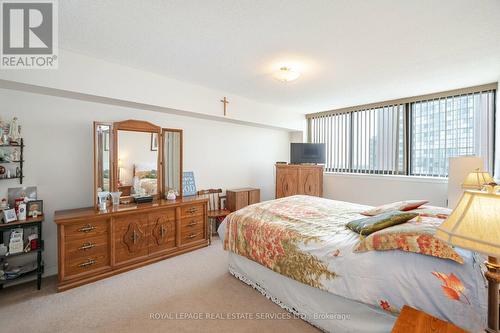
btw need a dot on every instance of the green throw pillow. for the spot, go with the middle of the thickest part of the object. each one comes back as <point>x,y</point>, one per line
<point>369,225</point>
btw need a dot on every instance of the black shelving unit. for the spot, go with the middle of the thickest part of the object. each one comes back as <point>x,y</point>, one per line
<point>28,223</point>
<point>20,162</point>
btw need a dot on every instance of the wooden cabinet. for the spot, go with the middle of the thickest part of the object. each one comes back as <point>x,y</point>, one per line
<point>130,233</point>
<point>94,245</point>
<point>294,179</point>
<point>162,231</point>
<point>241,197</point>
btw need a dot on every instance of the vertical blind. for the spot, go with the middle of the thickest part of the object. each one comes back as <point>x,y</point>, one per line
<point>409,136</point>
<point>365,141</point>
<point>452,126</point>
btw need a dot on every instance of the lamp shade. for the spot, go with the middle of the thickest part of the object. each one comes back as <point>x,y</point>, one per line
<point>474,224</point>
<point>477,179</point>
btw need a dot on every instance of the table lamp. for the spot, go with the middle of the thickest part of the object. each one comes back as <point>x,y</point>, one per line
<point>476,180</point>
<point>475,225</point>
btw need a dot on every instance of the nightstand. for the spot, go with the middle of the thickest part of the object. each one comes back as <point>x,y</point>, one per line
<point>411,320</point>
<point>241,197</point>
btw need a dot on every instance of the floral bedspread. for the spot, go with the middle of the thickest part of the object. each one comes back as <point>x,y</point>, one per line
<point>305,239</point>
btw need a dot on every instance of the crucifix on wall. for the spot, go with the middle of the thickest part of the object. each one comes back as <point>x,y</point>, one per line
<point>226,102</point>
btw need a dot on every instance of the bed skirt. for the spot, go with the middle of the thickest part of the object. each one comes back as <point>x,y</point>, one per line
<point>328,312</point>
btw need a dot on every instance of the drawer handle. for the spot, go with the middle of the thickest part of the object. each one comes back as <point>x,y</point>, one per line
<point>88,263</point>
<point>192,236</point>
<point>87,228</point>
<point>134,237</point>
<point>87,246</point>
<point>162,231</point>
<point>192,210</point>
<point>192,224</point>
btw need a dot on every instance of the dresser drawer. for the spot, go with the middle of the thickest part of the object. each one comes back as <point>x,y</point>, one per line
<point>87,264</point>
<point>192,210</point>
<point>85,247</point>
<point>192,235</point>
<point>190,223</point>
<point>86,229</point>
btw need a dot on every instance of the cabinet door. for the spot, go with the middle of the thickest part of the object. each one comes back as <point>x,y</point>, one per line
<point>286,182</point>
<point>241,200</point>
<point>130,238</point>
<point>253,196</point>
<point>161,231</point>
<point>310,181</point>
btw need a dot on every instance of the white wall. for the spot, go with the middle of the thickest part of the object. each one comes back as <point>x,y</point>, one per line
<point>59,152</point>
<point>78,73</point>
<point>376,190</point>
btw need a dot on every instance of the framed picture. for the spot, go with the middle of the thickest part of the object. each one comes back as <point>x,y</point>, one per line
<point>9,215</point>
<point>188,184</point>
<point>154,141</point>
<point>34,208</point>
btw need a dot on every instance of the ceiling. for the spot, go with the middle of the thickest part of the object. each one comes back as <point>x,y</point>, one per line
<point>349,52</point>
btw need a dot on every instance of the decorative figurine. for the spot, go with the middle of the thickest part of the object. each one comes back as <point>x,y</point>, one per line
<point>171,195</point>
<point>15,156</point>
<point>14,131</point>
<point>3,204</point>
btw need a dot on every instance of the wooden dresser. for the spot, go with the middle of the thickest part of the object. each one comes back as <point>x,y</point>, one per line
<point>93,245</point>
<point>293,179</point>
<point>241,197</point>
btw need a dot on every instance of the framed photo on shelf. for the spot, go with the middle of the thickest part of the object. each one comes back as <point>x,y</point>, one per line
<point>34,208</point>
<point>9,215</point>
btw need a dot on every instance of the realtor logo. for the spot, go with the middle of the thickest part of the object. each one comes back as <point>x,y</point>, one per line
<point>29,34</point>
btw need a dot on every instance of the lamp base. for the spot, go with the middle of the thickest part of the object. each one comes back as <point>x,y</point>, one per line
<point>493,277</point>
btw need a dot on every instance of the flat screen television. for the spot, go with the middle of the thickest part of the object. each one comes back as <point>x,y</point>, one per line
<point>307,153</point>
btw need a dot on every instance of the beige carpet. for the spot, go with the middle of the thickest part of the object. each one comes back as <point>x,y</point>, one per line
<point>196,282</point>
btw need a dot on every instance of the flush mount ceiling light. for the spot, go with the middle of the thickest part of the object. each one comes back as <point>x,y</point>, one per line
<point>286,74</point>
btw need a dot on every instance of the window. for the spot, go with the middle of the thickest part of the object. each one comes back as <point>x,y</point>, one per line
<point>413,136</point>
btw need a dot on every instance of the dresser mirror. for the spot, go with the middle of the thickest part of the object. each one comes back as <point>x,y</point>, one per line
<point>172,160</point>
<point>138,171</point>
<point>103,134</point>
<point>137,158</point>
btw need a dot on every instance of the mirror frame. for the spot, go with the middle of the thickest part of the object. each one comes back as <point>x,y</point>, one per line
<point>163,189</point>
<point>138,126</point>
<point>111,150</point>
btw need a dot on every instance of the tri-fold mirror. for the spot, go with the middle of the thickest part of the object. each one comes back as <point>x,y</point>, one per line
<point>138,159</point>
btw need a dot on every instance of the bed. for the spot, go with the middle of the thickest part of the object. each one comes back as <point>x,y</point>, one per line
<point>298,252</point>
<point>145,179</point>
